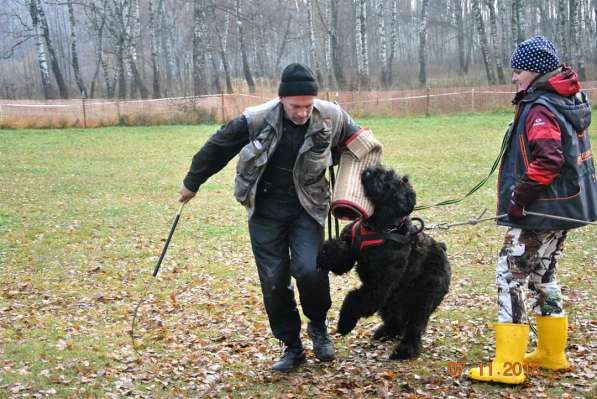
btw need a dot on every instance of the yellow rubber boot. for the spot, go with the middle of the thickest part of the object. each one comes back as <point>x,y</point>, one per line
<point>552,335</point>
<point>510,346</point>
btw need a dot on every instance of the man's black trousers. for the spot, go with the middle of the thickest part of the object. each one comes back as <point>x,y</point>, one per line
<point>285,241</point>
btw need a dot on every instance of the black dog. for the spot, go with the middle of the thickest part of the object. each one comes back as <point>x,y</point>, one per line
<point>405,273</point>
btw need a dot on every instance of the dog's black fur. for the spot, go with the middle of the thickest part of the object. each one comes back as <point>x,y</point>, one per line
<point>404,280</point>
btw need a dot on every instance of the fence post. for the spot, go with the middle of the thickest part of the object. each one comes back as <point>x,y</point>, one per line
<point>84,112</point>
<point>427,101</point>
<point>223,109</point>
<point>473,99</point>
<point>118,111</point>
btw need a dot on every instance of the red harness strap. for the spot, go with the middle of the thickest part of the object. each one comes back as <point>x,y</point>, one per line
<point>362,237</point>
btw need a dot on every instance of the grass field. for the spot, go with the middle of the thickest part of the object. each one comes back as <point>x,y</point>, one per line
<point>83,217</point>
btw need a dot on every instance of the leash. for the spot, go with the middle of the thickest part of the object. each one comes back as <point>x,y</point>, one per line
<point>472,221</point>
<point>480,218</point>
<point>336,222</point>
<point>478,185</point>
<point>558,217</point>
<point>155,273</point>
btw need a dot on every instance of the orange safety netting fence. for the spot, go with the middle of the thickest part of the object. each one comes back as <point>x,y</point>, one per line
<point>221,107</point>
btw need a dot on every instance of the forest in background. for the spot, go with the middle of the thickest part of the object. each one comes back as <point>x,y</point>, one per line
<point>127,49</point>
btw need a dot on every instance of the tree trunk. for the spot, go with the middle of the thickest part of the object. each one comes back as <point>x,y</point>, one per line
<point>327,21</point>
<point>423,44</point>
<point>337,60</point>
<point>41,52</point>
<point>364,80</point>
<point>594,31</point>
<point>222,41</point>
<point>575,36</point>
<point>312,44</point>
<point>216,77</point>
<point>98,22</point>
<point>383,51</point>
<point>63,90</point>
<point>504,41</point>
<point>199,78</point>
<point>459,36</point>
<point>393,44</point>
<point>154,18</point>
<point>358,42</point>
<point>470,33</point>
<point>496,41</point>
<point>562,32</point>
<point>74,53</point>
<point>518,31</point>
<point>285,41</point>
<point>132,32</point>
<point>167,44</point>
<point>243,49</point>
<point>120,70</point>
<point>483,41</point>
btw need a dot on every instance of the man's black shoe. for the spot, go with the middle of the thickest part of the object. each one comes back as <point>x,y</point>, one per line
<point>292,358</point>
<point>322,346</point>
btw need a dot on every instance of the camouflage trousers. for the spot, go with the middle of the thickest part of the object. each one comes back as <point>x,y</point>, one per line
<point>530,258</point>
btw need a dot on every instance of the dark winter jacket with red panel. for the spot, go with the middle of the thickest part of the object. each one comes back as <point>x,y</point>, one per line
<point>548,165</point>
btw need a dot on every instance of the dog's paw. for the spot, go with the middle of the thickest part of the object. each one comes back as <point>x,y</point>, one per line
<point>404,352</point>
<point>383,333</point>
<point>346,324</point>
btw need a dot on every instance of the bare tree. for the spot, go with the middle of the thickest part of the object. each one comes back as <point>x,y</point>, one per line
<point>335,44</point>
<point>54,63</point>
<point>575,29</point>
<point>423,43</point>
<point>362,44</point>
<point>220,37</point>
<point>327,51</point>
<point>167,42</point>
<point>312,44</point>
<point>483,41</point>
<point>221,44</point>
<point>133,32</point>
<point>154,20</point>
<point>393,43</point>
<point>243,49</point>
<point>518,31</point>
<point>41,52</point>
<point>199,20</point>
<point>383,52</point>
<point>562,31</point>
<point>504,39</point>
<point>496,42</point>
<point>459,35</point>
<point>74,52</point>
<point>97,18</point>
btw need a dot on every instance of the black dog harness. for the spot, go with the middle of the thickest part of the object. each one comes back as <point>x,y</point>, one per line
<point>363,237</point>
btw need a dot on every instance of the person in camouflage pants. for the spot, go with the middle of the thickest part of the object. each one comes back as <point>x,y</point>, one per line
<point>529,255</point>
<point>546,187</point>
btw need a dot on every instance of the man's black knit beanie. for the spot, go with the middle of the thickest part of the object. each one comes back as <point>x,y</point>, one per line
<point>297,80</point>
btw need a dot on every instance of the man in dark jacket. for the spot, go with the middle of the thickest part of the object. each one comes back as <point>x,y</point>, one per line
<point>284,147</point>
<point>547,168</point>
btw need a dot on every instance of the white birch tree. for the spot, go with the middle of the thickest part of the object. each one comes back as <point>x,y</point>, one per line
<point>41,51</point>
<point>496,42</point>
<point>423,43</point>
<point>383,52</point>
<point>74,51</point>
